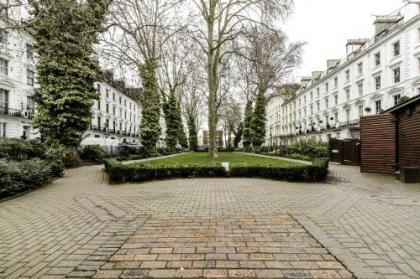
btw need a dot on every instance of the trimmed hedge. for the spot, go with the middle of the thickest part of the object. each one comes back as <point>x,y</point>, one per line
<point>307,173</point>
<point>19,176</point>
<point>119,172</point>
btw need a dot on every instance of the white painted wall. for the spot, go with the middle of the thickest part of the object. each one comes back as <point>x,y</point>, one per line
<point>14,50</point>
<point>286,115</point>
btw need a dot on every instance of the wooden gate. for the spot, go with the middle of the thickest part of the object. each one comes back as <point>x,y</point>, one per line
<point>346,152</point>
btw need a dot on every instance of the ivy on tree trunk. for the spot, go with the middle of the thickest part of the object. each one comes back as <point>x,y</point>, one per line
<point>64,32</point>
<point>150,125</point>
<point>172,125</point>
<point>247,131</point>
<point>258,121</point>
<point>182,137</point>
<point>192,132</point>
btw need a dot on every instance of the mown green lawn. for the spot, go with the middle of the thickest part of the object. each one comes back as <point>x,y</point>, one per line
<point>234,159</point>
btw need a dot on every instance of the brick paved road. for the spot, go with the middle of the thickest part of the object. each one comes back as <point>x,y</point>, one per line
<point>80,226</point>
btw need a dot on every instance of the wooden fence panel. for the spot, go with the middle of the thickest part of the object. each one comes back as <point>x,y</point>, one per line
<point>378,144</point>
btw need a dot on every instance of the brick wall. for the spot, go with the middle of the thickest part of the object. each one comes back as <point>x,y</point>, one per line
<point>377,135</point>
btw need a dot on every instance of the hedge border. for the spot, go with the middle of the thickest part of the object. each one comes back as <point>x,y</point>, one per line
<point>120,173</point>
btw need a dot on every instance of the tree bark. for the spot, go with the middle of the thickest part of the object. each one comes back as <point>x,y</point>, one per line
<point>212,83</point>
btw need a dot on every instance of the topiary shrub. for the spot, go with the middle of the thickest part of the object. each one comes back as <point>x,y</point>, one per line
<point>93,153</point>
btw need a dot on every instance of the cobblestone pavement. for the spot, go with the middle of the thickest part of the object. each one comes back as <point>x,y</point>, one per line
<point>81,227</point>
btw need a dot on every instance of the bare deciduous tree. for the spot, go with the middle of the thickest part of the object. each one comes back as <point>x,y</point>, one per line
<point>138,32</point>
<point>221,23</point>
<point>272,60</point>
<point>271,56</point>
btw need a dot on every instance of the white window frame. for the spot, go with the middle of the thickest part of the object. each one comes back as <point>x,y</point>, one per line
<point>30,77</point>
<point>396,49</point>
<point>29,52</point>
<point>360,68</point>
<point>360,110</point>
<point>396,98</point>
<point>394,75</point>
<point>378,109</point>
<point>360,89</point>
<point>378,82</point>
<point>348,93</point>
<point>4,66</point>
<point>378,59</point>
<point>4,37</point>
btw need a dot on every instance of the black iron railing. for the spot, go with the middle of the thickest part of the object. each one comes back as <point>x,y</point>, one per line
<point>5,109</point>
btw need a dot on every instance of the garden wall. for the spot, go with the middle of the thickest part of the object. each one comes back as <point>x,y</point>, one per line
<point>378,144</point>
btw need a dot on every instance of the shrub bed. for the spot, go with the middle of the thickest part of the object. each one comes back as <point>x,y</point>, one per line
<point>25,165</point>
<point>93,153</point>
<point>17,149</point>
<point>306,150</point>
<point>130,152</point>
<point>119,172</point>
<point>19,176</point>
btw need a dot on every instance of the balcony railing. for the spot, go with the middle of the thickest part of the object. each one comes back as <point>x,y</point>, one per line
<point>5,109</point>
<point>113,131</point>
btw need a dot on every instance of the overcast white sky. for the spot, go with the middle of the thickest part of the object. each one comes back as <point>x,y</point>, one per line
<point>325,25</point>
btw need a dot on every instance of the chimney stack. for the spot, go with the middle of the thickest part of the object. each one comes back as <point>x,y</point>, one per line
<point>304,81</point>
<point>316,75</point>
<point>382,23</point>
<point>332,63</point>
<point>355,44</point>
